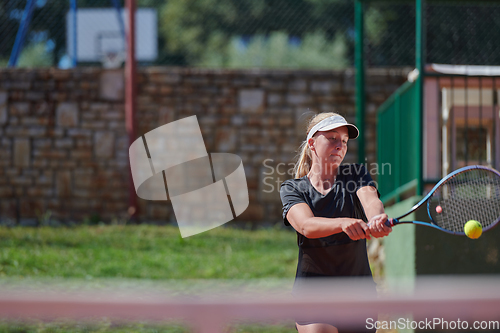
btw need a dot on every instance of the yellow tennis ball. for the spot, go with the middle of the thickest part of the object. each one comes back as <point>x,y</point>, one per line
<point>473,229</point>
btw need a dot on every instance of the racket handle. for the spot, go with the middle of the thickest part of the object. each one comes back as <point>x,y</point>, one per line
<point>389,223</point>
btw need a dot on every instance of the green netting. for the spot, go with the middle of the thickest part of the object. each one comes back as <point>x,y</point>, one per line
<point>398,142</point>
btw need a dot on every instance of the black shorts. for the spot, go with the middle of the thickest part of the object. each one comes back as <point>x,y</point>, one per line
<point>300,286</point>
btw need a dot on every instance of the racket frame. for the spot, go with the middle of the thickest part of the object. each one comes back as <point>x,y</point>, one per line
<point>396,221</point>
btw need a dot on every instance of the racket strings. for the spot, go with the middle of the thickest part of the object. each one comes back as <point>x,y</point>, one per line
<point>471,195</point>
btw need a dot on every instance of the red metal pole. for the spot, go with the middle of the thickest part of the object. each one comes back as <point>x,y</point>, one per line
<point>130,96</point>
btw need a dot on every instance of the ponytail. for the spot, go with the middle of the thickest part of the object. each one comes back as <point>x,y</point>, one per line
<point>303,165</point>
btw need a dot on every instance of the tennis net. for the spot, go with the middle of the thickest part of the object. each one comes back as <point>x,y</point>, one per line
<point>209,306</point>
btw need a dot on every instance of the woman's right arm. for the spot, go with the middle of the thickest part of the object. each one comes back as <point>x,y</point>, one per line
<point>303,220</point>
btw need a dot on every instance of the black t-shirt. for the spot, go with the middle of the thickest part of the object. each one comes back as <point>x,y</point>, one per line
<point>334,255</point>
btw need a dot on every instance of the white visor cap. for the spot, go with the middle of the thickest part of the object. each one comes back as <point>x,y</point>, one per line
<point>332,123</point>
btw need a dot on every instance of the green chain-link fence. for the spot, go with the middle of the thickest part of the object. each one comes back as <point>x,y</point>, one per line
<point>273,33</point>
<point>457,32</point>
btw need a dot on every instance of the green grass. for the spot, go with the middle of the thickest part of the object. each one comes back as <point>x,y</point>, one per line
<point>64,326</point>
<point>145,251</point>
<point>120,254</point>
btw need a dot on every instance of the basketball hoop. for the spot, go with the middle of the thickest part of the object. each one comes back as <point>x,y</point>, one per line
<point>112,59</point>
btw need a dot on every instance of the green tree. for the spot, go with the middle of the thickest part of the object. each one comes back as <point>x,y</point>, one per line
<point>35,55</point>
<point>204,30</point>
<point>276,51</point>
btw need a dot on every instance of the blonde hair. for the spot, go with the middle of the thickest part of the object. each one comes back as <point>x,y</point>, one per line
<point>304,161</point>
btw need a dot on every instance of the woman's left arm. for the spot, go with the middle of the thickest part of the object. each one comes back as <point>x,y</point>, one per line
<point>374,211</point>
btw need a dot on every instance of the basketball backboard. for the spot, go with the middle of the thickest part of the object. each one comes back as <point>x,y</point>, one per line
<point>98,33</point>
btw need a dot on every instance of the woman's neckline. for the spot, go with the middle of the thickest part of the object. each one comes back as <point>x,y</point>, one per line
<point>328,192</point>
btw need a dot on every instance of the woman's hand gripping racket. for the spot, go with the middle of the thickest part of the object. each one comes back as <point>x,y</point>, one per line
<point>469,193</point>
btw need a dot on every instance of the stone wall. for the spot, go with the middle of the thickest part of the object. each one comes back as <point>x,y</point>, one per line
<point>64,146</point>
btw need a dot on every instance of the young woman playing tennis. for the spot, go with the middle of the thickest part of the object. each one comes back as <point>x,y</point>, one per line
<point>328,205</point>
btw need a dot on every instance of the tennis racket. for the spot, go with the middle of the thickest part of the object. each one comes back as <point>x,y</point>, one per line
<point>469,193</point>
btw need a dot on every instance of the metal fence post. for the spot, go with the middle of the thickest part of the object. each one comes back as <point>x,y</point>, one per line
<point>360,78</point>
<point>420,64</point>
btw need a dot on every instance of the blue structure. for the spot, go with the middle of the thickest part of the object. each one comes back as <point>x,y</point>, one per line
<point>21,33</point>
